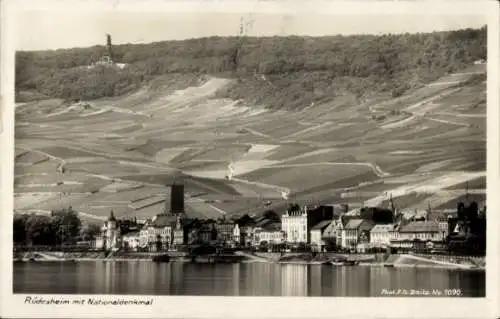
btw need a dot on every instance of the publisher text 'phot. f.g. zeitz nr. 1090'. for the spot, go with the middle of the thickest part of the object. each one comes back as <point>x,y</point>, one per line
<point>244,154</point>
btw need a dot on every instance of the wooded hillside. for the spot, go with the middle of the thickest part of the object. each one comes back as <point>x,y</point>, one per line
<point>278,72</point>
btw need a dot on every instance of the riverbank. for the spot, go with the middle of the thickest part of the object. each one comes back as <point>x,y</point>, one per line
<point>361,264</point>
<point>380,260</point>
<point>76,260</point>
<point>330,259</point>
<point>93,259</point>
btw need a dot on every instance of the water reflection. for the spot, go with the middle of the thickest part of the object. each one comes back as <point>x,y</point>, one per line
<point>252,279</point>
<point>294,280</point>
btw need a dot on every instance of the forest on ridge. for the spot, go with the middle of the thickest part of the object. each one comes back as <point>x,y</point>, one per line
<point>277,72</point>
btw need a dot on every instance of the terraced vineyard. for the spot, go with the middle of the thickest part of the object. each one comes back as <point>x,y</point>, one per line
<point>121,152</point>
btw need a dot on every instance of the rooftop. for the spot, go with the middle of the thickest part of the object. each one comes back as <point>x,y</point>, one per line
<point>224,226</point>
<point>409,214</point>
<point>264,222</point>
<point>131,234</point>
<point>346,218</point>
<point>330,231</point>
<point>383,228</point>
<point>353,223</point>
<point>163,220</point>
<point>420,227</point>
<point>272,226</point>
<point>362,224</point>
<point>321,225</point>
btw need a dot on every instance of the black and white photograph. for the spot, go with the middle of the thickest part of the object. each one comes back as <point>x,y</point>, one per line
<point>250,153</point>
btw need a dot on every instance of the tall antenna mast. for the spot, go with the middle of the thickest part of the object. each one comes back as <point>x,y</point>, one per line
<point>467,190</point>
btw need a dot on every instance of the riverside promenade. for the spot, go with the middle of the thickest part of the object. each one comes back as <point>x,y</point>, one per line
<point>394,260</point>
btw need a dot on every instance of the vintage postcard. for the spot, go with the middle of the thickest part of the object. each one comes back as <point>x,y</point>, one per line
<point>187,159</point>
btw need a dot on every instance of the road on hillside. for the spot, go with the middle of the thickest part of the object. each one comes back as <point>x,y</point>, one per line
<point>376,169</point>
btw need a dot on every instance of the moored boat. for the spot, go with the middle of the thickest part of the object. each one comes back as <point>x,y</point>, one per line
<point>351,262</point>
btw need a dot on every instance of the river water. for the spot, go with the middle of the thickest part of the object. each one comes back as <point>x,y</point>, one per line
<point>241,279</point>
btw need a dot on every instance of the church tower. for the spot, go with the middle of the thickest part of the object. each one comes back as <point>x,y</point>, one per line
<point>393,209</point>
<point>111,232</point>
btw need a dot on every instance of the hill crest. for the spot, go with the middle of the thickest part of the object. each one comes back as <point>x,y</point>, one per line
<point>279,73</point>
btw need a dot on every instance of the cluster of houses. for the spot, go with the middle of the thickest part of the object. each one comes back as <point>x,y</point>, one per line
<point>335,228</point>
<point>164,232</point>
<point>320,228</point>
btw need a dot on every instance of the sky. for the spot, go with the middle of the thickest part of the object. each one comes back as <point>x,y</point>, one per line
<point>41,30</point>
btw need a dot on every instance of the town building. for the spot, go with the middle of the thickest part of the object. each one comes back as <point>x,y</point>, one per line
<point>333,232</point>
<point>329,236</point>
<point>380,235</point>
<point>128,225</point>
<point>467,231</point>
<point>224,232</point>
<point>110,234</point>
<point>246,235</point>
<point>296,222</point>
<point>192,234</point>
<point>270,236</point>
<point>294,225</point>
<point>378,215</point>
<point>178,233</point>
<point>165,230</point>
<point>317,233</point>
<point>356,232</point>
<point>443,224</point>
<point>236,235</point>
<point>206,233</point>
<point>174,201</point>
<point>246,226</point>
<point>338,225</point>
<point>131,241</point>
<point>157,233</point>
<point>418,235</point>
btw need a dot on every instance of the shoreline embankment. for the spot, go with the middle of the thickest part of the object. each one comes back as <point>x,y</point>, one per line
<point>329,259</point>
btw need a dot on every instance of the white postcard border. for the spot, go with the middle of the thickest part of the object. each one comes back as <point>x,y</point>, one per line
<point>266,307</point>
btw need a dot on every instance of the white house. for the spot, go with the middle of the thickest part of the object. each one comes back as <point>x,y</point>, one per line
<point>316,235</point>
<point>110,234</point>
<point>380,235</point>
<point>236,234</point>
<point>294,225</point>
<point>271,236</point>
<point>355,232</point>
<point>178,233</point>
<point>150,235</point>
<point>443,226</point>
<point>158,230</point>
<point>422,231</point>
